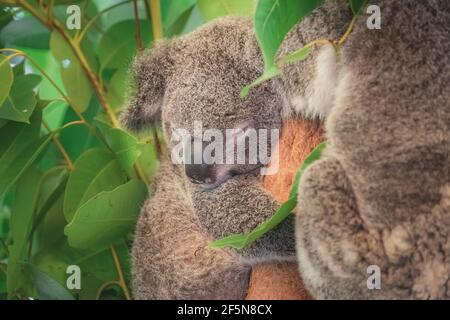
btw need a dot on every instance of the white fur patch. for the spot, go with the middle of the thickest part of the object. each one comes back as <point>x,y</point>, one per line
<point>307,269</point>
<point>321,91</point>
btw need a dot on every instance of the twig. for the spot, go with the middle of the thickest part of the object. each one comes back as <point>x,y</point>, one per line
<point>137,27</point>
<point>155,15</point>
<point>60,147</point>
<point>122,281</point>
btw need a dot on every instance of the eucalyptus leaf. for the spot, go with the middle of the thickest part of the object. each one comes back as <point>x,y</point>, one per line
<point>117,46</point>
<point>24,205</point>
<point>19,147</point>
<point>21,101</point>
<point>107,217</point>
<point>356,5</point>
<point>117,87</point>
<point>125,147</point>
<point>75,81</point>
<point>47,288</point>
<point>50,200</point>
<point>171,11</point>
<point>9,175</point>
<point>214,9</point>
<point>96,264</point>
<point>95,171</point>
<point>6,77</point>
<point>298,55</point>
<point>273,20</point>
<point>46,60</point>
<point>25,32</point>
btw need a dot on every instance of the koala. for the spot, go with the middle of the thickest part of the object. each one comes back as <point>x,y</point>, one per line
<point>379,198</point>
<point>198,78</point>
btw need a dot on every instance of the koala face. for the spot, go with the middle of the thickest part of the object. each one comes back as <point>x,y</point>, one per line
<point>192,84</point>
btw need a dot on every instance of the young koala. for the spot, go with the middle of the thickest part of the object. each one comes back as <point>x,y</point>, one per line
<point>374,211</point>
<point>198,78</point>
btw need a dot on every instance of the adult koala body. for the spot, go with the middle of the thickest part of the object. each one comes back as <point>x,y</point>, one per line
<point>182,81</point>
<point>380,195</point>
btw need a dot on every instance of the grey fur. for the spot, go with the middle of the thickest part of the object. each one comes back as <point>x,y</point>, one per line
<point>380,195</point>
<point>198,78</point>
<point>170,259</point>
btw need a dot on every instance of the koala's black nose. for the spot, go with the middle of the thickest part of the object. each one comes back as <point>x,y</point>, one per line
<point>200,173</point>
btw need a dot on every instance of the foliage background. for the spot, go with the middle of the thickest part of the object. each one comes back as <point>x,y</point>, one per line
<point>71,180</point>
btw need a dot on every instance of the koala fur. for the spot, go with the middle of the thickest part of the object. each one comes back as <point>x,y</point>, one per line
<point>170,259</point>
<point>380,194</point>
<point>198,78</point>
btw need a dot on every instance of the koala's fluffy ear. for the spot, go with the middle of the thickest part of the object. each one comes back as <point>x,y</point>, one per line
<point>149,72</point>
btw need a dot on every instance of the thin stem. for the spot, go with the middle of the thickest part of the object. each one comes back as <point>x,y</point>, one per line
<point>122,281</point>
<point>137,28</point>
<point>106,285</point>
<point>73,123</point>
<point>8,58</point>
<point>335,43</point>
<point>60,147</point>
<point>348,31</point>
<point>155,16</point>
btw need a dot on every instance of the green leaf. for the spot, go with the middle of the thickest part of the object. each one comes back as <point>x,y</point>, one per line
<point>77,139</point>
<point>240,241</point>
<point>47,62</point>
<point>50,200</point>
<point>125,147</point>
<point>214,9</point>
<point>26,32</point>
<point>117,46</point>
<point>6,77</point>
<point>268,74</point>
<point>356,5</point>
<point>21,221</point>
<point>107,217</point>
<point>96,264</point>
<point>273,20</point>
<point>193,20</point>
<point>19,148</point>
<point>148,160</point>
<point>298,55</point>
<point>21,101</point>
<point>75,81</point>
<point>312,157</point>
<point>117,87</point>
<point>172,10</point>
<point>54,114</point>
<point>95,171</point>
<point>47,288</point>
